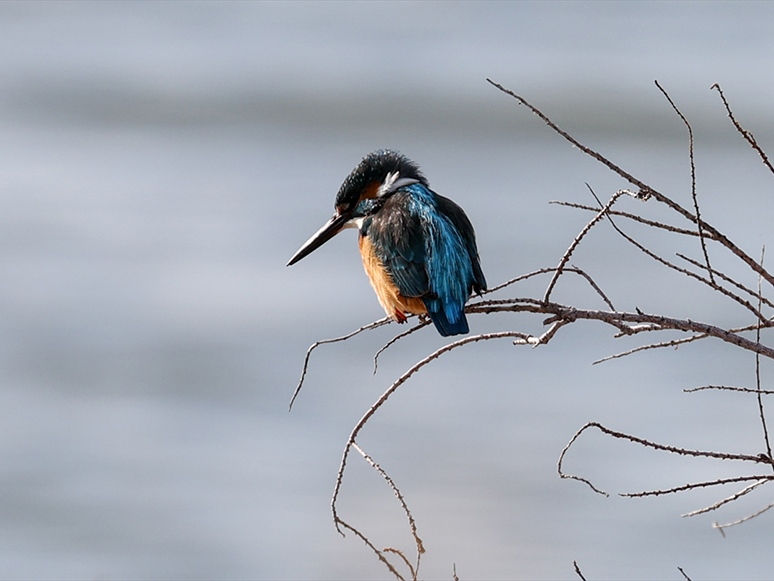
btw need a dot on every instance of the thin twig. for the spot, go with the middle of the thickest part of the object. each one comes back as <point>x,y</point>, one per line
<point>720,527</point>
<point>758,368</point>
<point>578,571</point>
<point>572,476</point>
<point>635,218</point>
<point>672,449</point>
<point>399,496</point>
<point>728,279</point>
<point>673,343</point>
<point>574,269</point>
<point>746,490</point>
<point>370,545</point>
<point>693,486</point>
<point>684,574</point>
<point>398,337</point>
<point>593,285</point>
<point>314,346</point>
<point>746,134</point>
<point>405,560</point>
<point>759,459</point>
<point>684,271</point>
<point>542,339</point>
<point>728,388</point>
<point>693,178</point>
<point>578,238</point>
<point>645,190</point>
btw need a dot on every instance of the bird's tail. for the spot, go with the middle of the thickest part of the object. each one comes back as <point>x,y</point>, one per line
<point>441,319</point>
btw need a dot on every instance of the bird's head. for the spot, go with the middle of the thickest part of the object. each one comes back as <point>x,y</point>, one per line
<point>379,175</point>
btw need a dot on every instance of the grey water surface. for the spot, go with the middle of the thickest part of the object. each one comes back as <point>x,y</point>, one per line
<point>161,162</point>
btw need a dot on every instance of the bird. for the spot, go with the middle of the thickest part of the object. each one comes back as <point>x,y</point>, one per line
<point>418,247</point>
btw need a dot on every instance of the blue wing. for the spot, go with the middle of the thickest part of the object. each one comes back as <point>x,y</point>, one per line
<point>428,247</point>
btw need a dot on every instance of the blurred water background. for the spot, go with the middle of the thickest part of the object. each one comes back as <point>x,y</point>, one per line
<point>161,161</point>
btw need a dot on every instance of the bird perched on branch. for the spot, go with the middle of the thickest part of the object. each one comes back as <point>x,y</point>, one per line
<point>418,248</point>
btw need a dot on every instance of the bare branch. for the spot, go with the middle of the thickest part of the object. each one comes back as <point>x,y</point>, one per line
<point>728,388</point>
<point>572,476</point>
<point>728,279</point>
<point>399,496</point>
<point>579,237</point>
<point>635,218</point>
<point>746,134</point>
<point>759,459</point>
<point>370,545</point>
<point>674,343</point>
<point>400,381</point>
<point>405,560</point>
<point>574,269</point>
<point>645,190</point>
<point>747,489</point>
<point>619,318</point>
<point>758,369</point>
<point>694,486</point>
<point>676,230</point>
<point>314,346</point>
<point>398,337</point>
<point>684,271</point>
<point>672,449</point>
<point>693,178</point>
<point>578,571</point>
<point>558,316</point>
<point>544,338</point>
<point>593,285</point>
<point>720,527</point>
<point>684,574</point>
<point>518,279</point>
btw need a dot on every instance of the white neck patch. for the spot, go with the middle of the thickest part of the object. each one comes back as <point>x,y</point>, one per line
<point>393,182</point>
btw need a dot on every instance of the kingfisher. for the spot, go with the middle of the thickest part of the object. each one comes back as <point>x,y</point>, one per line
<point>418,248</point>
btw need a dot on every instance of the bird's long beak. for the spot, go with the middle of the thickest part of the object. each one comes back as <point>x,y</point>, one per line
<point>328,231</point>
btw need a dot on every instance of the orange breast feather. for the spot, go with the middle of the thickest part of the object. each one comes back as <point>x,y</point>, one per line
<point>394,303</point>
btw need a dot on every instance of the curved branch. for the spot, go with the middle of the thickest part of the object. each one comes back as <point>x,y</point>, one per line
<point>720,527</point>
<point>759,459</point>
<point>315,345</point>
<point>383,398</point>
<point>371,546</point>
<point>693,178</point>
<point>573,269</point>
<point>412,523</point>
<point>398,337</point>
